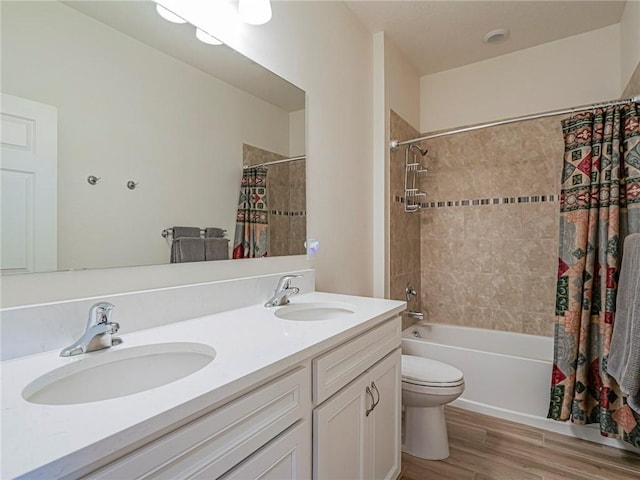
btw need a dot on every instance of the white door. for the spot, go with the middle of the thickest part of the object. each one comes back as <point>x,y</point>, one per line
<point>384,432</point>
<point>340,434</point>
<point>28,186</point>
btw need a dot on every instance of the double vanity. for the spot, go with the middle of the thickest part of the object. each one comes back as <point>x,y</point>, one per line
<point>306,390</point>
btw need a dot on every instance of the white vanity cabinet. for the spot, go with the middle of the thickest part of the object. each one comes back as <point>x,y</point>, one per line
<point>211,445</point>
<point>356,432</point>
<point>282,400</point>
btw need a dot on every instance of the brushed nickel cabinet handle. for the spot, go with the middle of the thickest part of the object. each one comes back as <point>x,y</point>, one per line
<point>373,402</point>
<point>376,402</point>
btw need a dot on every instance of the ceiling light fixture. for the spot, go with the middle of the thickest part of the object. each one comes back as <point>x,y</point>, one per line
<point>255,12</point>
<point>204,37</point>
<point>169,15</point>
<point>498,35</point>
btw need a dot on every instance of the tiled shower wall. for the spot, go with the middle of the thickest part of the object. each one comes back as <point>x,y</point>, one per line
<point>488,241</point>
<point>488,248</point>
<point>286,201</point>
<point>404,228</point>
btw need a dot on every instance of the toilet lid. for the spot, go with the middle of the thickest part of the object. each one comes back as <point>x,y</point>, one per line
<point>424,371</point>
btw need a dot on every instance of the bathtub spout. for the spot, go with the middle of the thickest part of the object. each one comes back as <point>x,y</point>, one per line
<point>417,315</point>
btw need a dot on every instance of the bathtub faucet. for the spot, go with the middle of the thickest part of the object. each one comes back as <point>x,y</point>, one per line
<point>417,315</point>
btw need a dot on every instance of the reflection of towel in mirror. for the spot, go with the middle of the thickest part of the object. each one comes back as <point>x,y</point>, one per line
<point>187,251</point>
<point>216,248</point>
<point>179,232</point>
<point>624,357</point>
<point>214,232</point>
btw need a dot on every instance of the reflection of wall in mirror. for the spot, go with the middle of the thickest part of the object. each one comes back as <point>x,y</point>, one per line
<point>286,200</point>
<point>130,112</point>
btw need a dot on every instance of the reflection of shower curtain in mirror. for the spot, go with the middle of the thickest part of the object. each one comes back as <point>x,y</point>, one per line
<point>251,238</point>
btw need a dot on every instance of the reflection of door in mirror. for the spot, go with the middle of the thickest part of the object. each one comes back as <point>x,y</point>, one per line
<point>28,184</point>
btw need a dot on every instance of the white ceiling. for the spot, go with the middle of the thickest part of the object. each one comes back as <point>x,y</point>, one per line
<point>440,35</point>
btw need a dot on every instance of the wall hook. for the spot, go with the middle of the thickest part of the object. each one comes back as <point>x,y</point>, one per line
<point>131,185</point>
<point>93,180</point>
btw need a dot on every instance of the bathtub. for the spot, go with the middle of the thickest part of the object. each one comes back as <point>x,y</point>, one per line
<point>507,375</point>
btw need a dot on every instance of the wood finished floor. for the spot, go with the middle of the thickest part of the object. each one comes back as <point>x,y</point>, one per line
<point>489,448</point>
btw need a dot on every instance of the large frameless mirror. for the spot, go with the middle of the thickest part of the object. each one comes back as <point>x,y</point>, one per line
<point>118,126</point>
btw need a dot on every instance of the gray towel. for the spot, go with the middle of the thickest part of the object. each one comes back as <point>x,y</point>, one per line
<point>179,232</point>
<point>188,249</point>
<point>214,232</point>
<point>216,248</point>
<point>184,232</point>
<point>624,354</point>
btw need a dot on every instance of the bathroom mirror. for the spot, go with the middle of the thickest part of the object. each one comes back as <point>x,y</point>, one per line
<point>118,125</point>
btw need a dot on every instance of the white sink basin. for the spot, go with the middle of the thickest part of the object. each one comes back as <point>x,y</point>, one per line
<point>117,372</point>
<point>314,311</point>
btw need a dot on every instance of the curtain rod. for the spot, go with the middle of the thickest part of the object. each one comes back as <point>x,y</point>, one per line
<point>292,159</point>
<point>395,143</point>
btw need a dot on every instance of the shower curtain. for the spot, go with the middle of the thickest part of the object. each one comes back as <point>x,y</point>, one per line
<point>600,205</point>
<point>251,238</point>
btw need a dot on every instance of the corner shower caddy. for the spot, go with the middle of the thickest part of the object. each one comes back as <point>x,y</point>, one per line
<point>413,170</point>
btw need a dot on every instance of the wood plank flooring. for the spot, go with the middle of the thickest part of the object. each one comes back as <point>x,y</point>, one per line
<point>489,448</point>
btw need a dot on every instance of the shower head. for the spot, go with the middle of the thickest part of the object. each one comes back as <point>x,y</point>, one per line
<point>422,152</point>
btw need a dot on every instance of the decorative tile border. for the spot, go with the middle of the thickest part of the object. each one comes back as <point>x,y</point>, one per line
<point>484,201</point>
<point>286,213</point>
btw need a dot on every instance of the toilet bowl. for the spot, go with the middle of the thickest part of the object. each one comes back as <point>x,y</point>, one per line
<point>427,386</point>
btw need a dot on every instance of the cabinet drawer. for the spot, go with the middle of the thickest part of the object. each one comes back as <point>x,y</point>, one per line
<point>222,438</point>
<point>336,368</point>
<point>287,457</point>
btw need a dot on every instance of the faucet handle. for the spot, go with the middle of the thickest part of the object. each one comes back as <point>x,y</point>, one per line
<point>285,281</point>
<point>100,313</point>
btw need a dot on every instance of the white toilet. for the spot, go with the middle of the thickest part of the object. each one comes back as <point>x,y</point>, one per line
<point>427,386</point>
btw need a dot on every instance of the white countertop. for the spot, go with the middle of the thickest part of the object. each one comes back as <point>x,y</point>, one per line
<point>251,344</point>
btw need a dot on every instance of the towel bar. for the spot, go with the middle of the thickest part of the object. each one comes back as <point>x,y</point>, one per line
<point>169,231</point>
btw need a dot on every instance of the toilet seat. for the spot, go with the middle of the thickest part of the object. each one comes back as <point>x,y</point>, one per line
<point>420,371</point>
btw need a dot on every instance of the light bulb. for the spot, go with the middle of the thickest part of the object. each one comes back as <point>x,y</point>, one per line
<point>206,38</point>
<point>255,12</point>
<point>169,15</point>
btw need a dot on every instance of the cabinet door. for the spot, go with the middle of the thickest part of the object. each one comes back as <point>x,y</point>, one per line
<point>288,457</point>
<point>340,434</point>
<point>384,430</point>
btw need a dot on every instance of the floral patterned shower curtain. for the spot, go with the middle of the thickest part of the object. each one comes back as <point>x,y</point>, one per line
<point>600,205</point>
<point>251,239</point>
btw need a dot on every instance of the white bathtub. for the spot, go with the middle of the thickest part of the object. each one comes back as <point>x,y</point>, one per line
<point>507,375</point>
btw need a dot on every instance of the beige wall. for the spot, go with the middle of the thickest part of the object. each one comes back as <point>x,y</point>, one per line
<point>397,88</point>
<point>297,133</point>
<point>402,85</point>
<point>322,48</point>
<point>633,87</point>
<point>101,134</point>
<point>629,41</point>
<point>558,74</point>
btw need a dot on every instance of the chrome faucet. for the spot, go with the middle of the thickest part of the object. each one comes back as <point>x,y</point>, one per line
<point>99,331</point>
<point>283,291</point>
